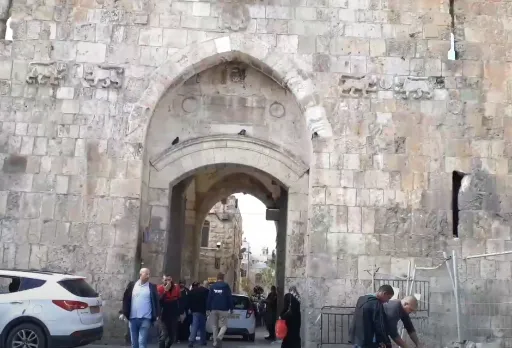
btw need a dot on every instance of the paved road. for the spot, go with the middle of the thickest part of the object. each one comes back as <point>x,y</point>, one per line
<point>228,343</point>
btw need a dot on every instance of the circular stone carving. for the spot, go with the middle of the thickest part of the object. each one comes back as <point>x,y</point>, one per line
<point>277,109</point>
<point>189,104</point>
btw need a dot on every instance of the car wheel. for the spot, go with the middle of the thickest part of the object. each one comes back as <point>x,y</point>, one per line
<point>26,335</point>
<point>252,337</point>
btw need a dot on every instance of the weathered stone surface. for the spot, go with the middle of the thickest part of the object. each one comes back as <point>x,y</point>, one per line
<point>370,106</point>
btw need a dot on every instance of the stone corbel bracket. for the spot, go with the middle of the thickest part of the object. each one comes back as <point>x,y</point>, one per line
<point>104,76</point>
<point>46,73</point>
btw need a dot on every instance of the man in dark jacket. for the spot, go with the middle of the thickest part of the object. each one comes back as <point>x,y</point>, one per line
<point>271,316</point>
<point>220,304</point>
<point>369,328</point>
<point>397,310</point>
<point>141,308</point>
<point>197,304</point>
<point>169,301</point>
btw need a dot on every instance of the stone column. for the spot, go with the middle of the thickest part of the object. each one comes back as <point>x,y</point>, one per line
<point>176,229</point>
<point>282,204</point>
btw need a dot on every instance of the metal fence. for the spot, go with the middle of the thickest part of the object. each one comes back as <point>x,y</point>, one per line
<point>421,287</point>
<point>487,322</point>
<point>336,321</point>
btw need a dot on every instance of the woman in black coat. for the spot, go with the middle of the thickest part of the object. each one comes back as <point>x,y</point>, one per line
<point>291,315</point>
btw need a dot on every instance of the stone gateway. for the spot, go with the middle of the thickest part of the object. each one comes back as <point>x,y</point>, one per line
<point>124,122</point>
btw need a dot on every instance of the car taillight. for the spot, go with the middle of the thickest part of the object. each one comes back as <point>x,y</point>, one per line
<point>249,313</point>
<point>70,305</point>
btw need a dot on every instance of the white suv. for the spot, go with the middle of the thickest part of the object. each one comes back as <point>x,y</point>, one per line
<point>47,310</point>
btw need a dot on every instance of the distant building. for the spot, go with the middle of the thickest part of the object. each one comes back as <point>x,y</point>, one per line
<point>254,263</point>
<point>221,241</point>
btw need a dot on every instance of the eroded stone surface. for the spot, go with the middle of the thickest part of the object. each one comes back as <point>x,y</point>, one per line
<point>76,180</point>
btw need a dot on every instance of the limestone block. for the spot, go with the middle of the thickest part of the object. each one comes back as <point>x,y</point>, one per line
<point>201,9</point>
<point>22,256</point>
<point>87,52</point>
<point>70,106</point>
<point>341,196</point>
<point>16,182</point>
<point>5,69</point>
<point>85,32</point>
<point>354,220</point>
<point>92,260</point>
<point>120,260</point>
<point>287,43</point>
<point>47,206</point>
<point>65,93</point>
<point>30,205</point>
<point>125,187</point>
<point>488,269</point>
<point>151,37</point>
<point>326,177</point>
<point>322,265</point>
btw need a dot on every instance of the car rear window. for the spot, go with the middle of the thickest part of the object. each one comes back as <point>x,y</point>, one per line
<point>241,302</point>
<point>78,287</point>
<point>31,283</point>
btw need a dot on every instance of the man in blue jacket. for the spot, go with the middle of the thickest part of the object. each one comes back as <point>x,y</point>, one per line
<point>220,304</point>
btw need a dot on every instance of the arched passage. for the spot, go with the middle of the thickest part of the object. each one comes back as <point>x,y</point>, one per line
<point>219,133</point>
<point>198,57</point>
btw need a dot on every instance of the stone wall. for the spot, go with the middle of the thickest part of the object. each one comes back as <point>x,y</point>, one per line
<point>80,82</point>
<point>225,227</point>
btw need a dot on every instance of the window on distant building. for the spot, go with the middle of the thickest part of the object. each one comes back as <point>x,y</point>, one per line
<point>205,234</point>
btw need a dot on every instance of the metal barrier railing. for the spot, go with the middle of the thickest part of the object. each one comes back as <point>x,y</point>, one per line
<point>335,324</point>
<point>421,287</point>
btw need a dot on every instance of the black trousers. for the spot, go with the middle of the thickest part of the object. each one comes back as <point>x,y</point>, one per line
<point>168,329</point>
<point>184,329</point>
<point>271,318</point>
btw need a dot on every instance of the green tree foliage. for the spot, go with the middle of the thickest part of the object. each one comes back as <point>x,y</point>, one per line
<point>268,276</point>
<point>246,286</point>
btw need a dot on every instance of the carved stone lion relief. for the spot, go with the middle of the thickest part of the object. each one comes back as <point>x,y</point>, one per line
<point>44,73</point>
<point>104,76</point>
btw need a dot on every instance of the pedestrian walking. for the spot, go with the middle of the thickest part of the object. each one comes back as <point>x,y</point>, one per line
<point>141,308</point>
<point>197,301</point>
<point>369,327</point>
<point>292,316</point>
<point>184,325</point>
<point>220,304</point>
<point>397,310</point>
<point>271,315</point>
<point>169,294</point>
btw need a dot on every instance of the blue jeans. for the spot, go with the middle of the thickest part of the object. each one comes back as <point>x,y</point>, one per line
<point>139,329</point>
<point>198,325</point>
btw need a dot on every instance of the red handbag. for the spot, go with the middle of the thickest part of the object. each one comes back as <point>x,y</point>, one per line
<point>281,329</point>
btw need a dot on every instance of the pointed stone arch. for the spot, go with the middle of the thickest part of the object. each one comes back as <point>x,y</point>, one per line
<point>285,70</point>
